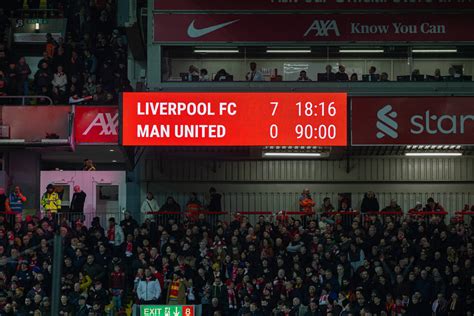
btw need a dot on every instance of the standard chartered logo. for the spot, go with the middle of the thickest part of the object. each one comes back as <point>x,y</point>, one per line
<point>386,123</point>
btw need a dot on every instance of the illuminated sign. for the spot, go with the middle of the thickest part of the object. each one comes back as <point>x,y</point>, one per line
<point>234,119</point>
<point>164,310</point>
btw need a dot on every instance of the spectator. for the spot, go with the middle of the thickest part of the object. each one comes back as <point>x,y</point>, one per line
<point>50,200</point>
<point>43,78</point>
<point>341,74</point>
<point>354,77</point>
<point>16,201</point>
<point>369,203</point>
<point>384,77</point>
<point>303,76</point>
<point>373,76</point>
<point>150,204</point>
<point>60,80</point>
<point>306,202</point>
<point>215,204</point>
<point>3,84</point>
<point>327,206</point>
<point>221,75</point>
<point>170,206</point>
<point>432,206</point>
<point>393,207</point>
<point>23,71</point>
<point>203,75</point>
<point>115,236</point>
<point>254,74</point>
<point>78,200</point>
<point>46,59</point>
<point>148,290</point>
<point>193,73</point>
<point>89,165</point>
<point>4,206</point>
<point>437,75</point>
<point>90,63</point>
<point>328,75</point>
<point>176,291</point>
<point>51,45</point>
<point>418,208</point>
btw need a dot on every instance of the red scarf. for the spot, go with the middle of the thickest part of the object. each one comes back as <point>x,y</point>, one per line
<point>111,233</point>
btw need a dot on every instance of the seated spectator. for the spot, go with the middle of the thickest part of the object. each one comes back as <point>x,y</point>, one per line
<point>416,76</point>
<point>43,77</point>
<point>203,75</point>
<point>418,208</point>
<point>193,73</point>
<point>303,76</point>
<point>373,76</point>
<point>328,75</point>
<point>437,75</point>
<point>341,74</point>
<point>354,77</point>
<point>89,165</point>
<point>384,77</point>
<point>221,75</point>
<point>254,74</point>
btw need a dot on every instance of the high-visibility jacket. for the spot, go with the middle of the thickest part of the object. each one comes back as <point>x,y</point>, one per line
<point>16,202</point>
<point>51,202</point>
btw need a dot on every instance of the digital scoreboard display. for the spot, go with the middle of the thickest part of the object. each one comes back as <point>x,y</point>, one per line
<point>234,119</point>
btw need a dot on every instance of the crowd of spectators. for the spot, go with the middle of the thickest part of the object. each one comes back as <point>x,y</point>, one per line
<point>454,74</point>
<point>88,65</point>
<point>376,265</point>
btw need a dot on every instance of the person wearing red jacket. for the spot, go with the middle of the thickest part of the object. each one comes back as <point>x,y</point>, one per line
<point>117,284</point>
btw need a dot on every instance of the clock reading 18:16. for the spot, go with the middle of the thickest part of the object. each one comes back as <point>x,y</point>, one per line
<point>311,109</point>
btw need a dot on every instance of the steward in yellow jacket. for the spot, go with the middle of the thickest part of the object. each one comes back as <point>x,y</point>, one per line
<point>50,200</point>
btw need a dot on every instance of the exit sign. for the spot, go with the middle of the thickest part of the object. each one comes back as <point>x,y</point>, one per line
<point>165,310</point>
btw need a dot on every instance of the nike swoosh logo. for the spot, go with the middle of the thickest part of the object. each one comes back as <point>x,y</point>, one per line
<point>193,32</point>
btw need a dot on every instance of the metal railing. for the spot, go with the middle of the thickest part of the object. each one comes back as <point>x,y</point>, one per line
<point>8,99</point>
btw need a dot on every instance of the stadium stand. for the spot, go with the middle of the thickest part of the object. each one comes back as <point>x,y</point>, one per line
<point>325,263</point>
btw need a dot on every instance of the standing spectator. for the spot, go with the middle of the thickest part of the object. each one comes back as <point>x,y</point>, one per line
<point>149,290</point>
<point>254,74</point>
<point>45,59</point>
<point>115,236</point>
<point>23,70</point>
<point>51,45</point>
<point>150,204</point>
<point>17,201</point>
<point>341,74</point>
<point>432,206</point>
<point>327,206</point>
<point>59,59</point>
<point>3,202</point>
<point>78,200</point>
<point>393,207</point>
<point>117,284</point>
<point>90,62</point>
<point>306,202</point>
<point>215,204</point>
<point>89,165</point>
<point>369,203</point>
<point>50,200</point>
<point>12,79</point>
<point>60,80</point>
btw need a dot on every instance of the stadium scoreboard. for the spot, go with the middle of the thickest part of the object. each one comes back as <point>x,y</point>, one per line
<point>234,119</point>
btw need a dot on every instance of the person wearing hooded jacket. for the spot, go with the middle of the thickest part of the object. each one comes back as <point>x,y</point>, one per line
<point>369,203</point>
<point>149,289</point>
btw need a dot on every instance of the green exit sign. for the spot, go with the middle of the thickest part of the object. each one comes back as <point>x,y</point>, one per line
<point>166,310</point>
<point>39,21</point>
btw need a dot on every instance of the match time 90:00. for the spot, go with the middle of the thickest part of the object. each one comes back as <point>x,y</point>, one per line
<point>308,131</point>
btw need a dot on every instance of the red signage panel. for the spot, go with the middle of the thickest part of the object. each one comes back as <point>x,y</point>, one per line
<point>234,119</point>
<point>313,27</point>
<point>96,124</point>
<point>412,121</point>
<point>207,5</point>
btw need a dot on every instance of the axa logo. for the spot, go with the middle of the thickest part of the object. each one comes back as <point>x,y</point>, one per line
<point>107,122</point>
<point>323,28</point>
<point>386,124</point>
